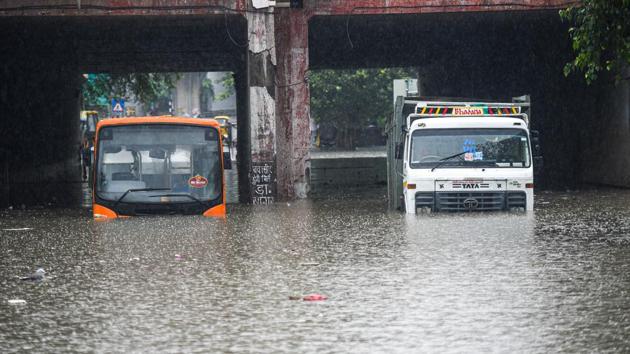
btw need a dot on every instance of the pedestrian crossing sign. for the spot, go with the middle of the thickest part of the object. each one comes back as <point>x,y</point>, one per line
<point>118,106</point>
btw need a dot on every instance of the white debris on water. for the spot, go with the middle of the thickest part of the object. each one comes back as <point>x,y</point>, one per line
<point>18,229</point>
<point>17,302</point>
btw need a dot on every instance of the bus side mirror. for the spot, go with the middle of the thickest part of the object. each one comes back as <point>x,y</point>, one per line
<point>400,151</point>
<point>227,160</point>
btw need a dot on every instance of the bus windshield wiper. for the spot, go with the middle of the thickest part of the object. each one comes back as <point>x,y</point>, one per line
<point>179,195</point>
<point>443,160</point>
<point>139,190</point>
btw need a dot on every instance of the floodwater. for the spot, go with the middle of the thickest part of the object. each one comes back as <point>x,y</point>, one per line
<point>554,280</point>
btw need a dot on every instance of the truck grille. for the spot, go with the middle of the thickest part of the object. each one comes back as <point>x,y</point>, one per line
<point>424,200</point>
<point>470,201</point>
<point>516,200</point>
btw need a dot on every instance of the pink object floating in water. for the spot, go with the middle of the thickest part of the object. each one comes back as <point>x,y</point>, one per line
<point>315,297</point>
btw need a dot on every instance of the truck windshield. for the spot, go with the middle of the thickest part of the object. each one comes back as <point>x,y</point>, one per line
<point>158,163</point>
<point>498,148</point>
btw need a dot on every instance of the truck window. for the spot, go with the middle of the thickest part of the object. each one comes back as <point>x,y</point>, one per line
<point>497,148</point>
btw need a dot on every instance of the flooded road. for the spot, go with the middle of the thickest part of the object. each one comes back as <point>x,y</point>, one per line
<point>554,280</point>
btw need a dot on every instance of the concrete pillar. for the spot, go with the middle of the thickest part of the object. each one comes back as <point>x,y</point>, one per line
<point>187,94</point>
<point>261,68</point>
<point>293,101</point>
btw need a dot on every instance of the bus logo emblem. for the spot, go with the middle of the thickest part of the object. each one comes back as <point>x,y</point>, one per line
<point>198,181</point>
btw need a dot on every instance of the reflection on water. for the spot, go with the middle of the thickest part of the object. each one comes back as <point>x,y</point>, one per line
<point>556,280</point>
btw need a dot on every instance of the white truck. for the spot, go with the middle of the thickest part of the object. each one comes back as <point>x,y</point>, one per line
<point>467,156</point>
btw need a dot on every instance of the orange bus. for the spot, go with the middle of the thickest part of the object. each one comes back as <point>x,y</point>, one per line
<point>159,165</point>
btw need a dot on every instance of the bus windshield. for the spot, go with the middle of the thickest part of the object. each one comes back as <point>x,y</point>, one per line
<point>158,163</point>
<point>468,148</point>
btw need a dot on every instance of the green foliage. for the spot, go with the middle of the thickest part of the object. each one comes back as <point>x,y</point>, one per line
<point>354,98</point>
<point>145,87</point>
<point>600,36</point>
<point>208,89</point>
<point>227,81</point>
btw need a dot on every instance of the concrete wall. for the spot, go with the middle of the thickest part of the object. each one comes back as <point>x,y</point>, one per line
<point>335,171</point>
<point>187,94</point>
<point>607,155</point>
<point>39,136</point>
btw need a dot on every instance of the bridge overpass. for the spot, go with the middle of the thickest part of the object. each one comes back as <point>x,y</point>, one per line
<point>492,48</point>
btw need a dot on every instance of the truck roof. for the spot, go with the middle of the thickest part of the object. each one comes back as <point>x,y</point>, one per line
<point>472,108</point>
<point>469,123</point>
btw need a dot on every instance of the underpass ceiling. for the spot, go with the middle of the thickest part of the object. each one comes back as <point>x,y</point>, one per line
<point>415,40</point>
<point>123,44</point>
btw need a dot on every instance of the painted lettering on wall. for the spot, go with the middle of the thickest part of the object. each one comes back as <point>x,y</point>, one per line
<point>263,182</point>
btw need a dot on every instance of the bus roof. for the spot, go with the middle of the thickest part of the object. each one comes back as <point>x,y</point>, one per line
<point>158,120</point>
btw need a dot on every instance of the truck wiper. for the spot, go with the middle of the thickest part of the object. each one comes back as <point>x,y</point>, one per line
<point>179,195</point>
<point>443,160</point>
<point>139,190</point>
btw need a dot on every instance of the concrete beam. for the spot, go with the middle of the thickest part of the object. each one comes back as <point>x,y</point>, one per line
<point>382,7</point>
<point>119,7</point>
<point>311,7</point>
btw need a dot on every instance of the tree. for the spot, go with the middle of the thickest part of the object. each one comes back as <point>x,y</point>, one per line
<point>145,87</point>
<point>227,81</point>
<point>601,37</point>
<point>353,99</point>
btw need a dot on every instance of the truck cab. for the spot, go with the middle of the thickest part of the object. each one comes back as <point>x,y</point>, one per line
<point>468,156</point>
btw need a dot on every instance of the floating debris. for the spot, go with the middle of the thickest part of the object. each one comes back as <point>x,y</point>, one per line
<point>17,302</point>
<point>315,297</point>
<point>37,276</point>
<point>18,229</point>
<point>295,297</point>
<point>309,264</point>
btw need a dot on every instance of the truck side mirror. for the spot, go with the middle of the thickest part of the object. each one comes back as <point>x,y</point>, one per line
<point>227,160</point>
<point>535,143</point>
<point>400,151</point>
<point>538,165</point>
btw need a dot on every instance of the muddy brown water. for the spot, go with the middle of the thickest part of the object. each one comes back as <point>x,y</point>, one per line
<point>554,280</point>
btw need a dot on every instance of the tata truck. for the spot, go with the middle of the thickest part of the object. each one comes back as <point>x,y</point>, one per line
<point>466,155</point>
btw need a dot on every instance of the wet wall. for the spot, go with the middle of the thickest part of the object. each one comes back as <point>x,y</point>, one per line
<point>480,55</point>
<point>41,63</point>
<point>607,154</point>
<point>39,104</point>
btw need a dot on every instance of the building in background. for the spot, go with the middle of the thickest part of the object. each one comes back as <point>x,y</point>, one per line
<point>205,94</point>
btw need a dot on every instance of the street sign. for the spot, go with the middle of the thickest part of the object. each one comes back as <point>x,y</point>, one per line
<point>118,106</point>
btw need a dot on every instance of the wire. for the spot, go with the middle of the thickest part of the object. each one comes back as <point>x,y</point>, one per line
<point>227,30</point>
<point>303,82</point>
<point>446,6</point>
<point>292,84</point>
